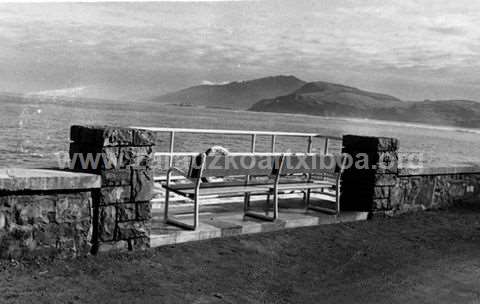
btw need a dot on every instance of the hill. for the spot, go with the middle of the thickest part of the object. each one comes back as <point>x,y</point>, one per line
<point>233,95</point>
<point>327,99</point>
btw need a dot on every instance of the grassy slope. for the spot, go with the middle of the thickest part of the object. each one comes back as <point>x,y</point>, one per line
<point>429,257</point>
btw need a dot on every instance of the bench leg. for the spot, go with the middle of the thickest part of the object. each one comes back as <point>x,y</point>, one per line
<point>275,205</point>
<point>259,216</point>
<point>323,209</point>
<point>196,215</point>
<point>167,198</point>
<point>246,202</point>
<point>178,223</point>
<point>307,199</point>
<point>267,205</point>
<point>337,198</point>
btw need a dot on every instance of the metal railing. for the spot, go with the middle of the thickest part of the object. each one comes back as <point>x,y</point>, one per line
<point>252,134</point>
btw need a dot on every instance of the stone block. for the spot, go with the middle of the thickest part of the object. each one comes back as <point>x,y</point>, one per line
<point>387,144</point>
<point>387,162</point>
<point>144,210</point>
<point>385,179</point>
<point>139,243</point>
<point>102,136</point>
<point>132,230</point>
<point>113,245</point>
<point>47,235</point>
<point>115,195</point>
<point>142,184</point>
<point>12,248</point>
<point>116,177</point>
<point>381,192</point>
<point>3,221</point>
<point>21,232</point>
<point>32,209</point>
<point>7,201</point>
<point>107,223</point>
<point>135,156</point>
<point>381,204</point>
<point>126,212</point>
<point>143,137</point>
<point>72,208</point>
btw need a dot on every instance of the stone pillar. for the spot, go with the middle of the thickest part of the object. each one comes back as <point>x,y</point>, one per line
<point>121,208</point>
<point>367,186</point>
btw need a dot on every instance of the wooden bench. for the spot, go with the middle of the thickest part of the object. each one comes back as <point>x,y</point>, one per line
<point>261,175</point>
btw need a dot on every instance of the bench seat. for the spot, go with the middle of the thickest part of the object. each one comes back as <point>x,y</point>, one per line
<point>304,185</point>
<point>218,189</point>
<point>240,188</point>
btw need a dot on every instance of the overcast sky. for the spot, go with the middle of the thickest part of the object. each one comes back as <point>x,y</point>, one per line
<point>411,49</point>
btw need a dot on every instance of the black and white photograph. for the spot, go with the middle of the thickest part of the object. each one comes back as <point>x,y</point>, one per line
<point>240,151</point>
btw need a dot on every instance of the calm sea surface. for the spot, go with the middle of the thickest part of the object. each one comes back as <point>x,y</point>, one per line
<point>32,132</point>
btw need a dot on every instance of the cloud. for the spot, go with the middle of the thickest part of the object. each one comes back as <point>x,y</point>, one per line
<point>123,47</point>
<point>68,92</point>
<point>207,82</point>
<point>448,30</point>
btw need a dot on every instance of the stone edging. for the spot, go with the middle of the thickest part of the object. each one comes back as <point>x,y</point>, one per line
<point>439,170</point>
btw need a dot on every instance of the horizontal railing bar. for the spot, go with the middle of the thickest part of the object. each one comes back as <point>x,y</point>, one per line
<point>236,132</point>
<point>176,153</point>
<point>236,153</point>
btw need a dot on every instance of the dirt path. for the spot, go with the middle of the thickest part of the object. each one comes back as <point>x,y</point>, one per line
<point>431,257</point>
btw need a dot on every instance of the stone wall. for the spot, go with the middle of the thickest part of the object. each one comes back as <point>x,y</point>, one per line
<point>45,213</point>
<point>433,190</point>
<point>384,187</point>
<point>124,158</point>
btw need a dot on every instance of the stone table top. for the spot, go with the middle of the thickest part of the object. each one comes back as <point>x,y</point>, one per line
<point>16,179</point>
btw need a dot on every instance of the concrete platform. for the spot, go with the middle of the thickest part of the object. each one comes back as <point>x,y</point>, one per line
<point>223,220</point>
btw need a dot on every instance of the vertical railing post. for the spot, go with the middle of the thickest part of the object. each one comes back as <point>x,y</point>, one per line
<point>325,149</point>
<point>309,147</point>
<point>254,138</point>
<point>172,143</point>
<point>247,179</point>
<point>273,144</point>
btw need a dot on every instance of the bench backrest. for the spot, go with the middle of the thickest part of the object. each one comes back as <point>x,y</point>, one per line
<point>311,164</point>
<point>238,165</point>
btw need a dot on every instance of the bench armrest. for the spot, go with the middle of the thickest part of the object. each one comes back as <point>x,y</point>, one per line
<point>178,171</point>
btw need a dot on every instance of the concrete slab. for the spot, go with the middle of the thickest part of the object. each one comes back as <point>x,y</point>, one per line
<point>223,220</point>
<point>13,179</point>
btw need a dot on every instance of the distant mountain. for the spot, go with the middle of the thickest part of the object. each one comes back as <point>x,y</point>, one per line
<point>327,99</point>
<point>233,95</point>
<point>463,113</point>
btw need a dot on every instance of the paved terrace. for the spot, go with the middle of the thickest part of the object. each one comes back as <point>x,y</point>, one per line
<point>226,219</point>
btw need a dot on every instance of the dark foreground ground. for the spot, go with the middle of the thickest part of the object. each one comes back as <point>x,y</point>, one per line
<point>430,257</point>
